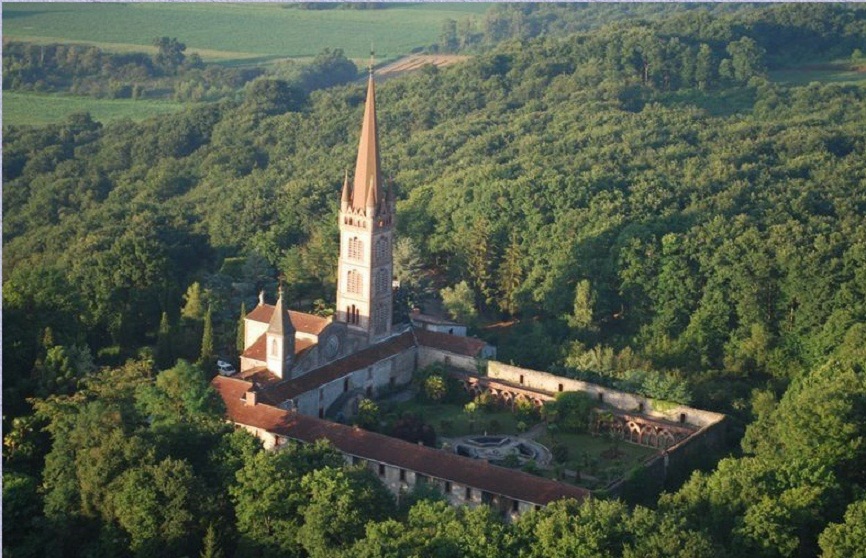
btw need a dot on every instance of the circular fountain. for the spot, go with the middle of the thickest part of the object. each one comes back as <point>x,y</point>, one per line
<point>496,449</point>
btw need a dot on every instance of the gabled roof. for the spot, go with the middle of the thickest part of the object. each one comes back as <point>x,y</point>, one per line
<point>303,322</point>
<point>368,175</point>
<point>457,344</point>
<point>392,451</point>
<point>258,350</point>
<point>276,394</point>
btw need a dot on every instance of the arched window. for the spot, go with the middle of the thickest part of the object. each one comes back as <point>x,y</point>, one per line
<point>353,282</point>
<point>274,348</point>
<point>382,281</point>
<point>356,249</point>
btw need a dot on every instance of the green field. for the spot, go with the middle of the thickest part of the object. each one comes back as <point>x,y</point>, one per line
<point>834,72</point>
<point>37,109</point>
<point>235,33</point>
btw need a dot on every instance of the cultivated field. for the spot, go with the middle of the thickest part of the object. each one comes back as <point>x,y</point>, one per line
<point>236,33</point>
<point>415,62</point>
<point>37,109</point>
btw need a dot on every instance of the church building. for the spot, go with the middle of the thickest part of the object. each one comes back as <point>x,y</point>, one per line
<point>298,368</point>
<point>304,362</point>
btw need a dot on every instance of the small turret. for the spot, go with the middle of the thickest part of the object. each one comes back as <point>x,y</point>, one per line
<point>280,340</point>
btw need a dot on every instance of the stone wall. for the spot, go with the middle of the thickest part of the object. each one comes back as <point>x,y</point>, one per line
<point>395,370</point>
<point>430,355</point>
<point>628,402</point>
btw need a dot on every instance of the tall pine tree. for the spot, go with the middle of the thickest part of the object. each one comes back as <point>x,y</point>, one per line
<point>207,340</point>
<point>240,338</point>
<point>164,356</point>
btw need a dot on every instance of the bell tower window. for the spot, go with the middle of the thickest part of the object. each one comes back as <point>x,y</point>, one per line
<point>274,348</point>
<point>354,282</point>
<point>356,249</point>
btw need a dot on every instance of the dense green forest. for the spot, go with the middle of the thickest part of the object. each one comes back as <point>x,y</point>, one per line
<point>637,204</point>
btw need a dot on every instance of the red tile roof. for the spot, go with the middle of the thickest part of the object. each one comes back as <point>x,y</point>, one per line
<point>258,350</point>
<point>377,447</point>
<point>306,323</point>
<point>468,346</point>
<point>276,394</point>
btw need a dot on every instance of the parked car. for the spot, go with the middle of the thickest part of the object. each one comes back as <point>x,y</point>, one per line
<point>225,368</point>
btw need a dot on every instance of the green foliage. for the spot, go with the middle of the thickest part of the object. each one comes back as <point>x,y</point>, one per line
<point>194,306</point>
<point>339,505</point>
<point>206,356</point>
<point>164,353</point>
<point>268,496</point>
<point>571,411</point>
<point>846,538</point>
<point>369,415</point>
<point>435,388</point>
<point>179,395</point>
<point>704,222</point>
<point>155,505</point>
<point>459,300</point>
<point>240,336</point>
<point>169,54</point>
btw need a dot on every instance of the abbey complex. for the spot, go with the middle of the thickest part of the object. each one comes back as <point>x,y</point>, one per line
<point>299,370</point>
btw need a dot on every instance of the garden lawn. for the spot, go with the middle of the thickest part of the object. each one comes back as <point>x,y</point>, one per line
<point>435,413</point>
<point>585,454</point>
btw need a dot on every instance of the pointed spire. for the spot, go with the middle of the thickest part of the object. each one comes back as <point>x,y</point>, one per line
<point>277,325</point>
<point>367,168</point>
<point>346,199</point>
<point>371,194</point>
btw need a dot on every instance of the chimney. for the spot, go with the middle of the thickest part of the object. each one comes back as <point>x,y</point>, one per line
<point>251,398</point>
<point>261,297</point>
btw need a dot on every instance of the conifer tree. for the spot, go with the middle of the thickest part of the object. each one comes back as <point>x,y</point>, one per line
<point>207,339</point>
<point>194,308</point>
<point>210,546</point>
<point>239,341</point>
<point>511,275</point>
<point>164,357</point>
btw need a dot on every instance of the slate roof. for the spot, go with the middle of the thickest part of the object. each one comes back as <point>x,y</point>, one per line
<point>392,451</point>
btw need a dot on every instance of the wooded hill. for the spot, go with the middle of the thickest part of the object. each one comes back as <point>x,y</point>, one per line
<point>649,207</point>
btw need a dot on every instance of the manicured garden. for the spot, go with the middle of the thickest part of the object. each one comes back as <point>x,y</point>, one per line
<point>563,426</point>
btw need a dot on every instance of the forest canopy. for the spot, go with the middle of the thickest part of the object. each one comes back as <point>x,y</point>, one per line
<point>640,202</point>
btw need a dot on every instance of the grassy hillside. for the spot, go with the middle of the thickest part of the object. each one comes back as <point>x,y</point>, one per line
<point>236,32</point>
